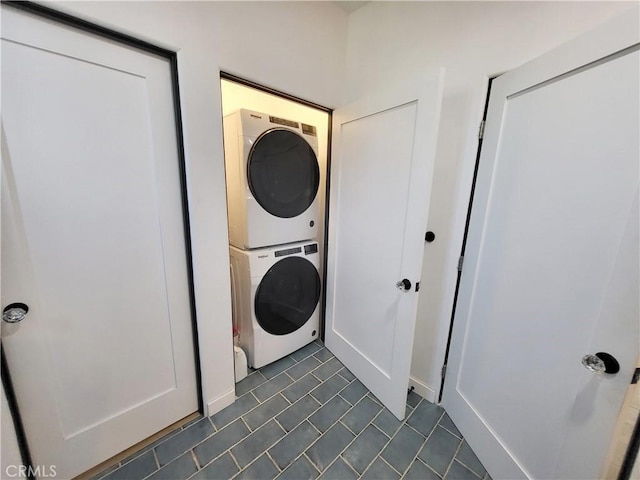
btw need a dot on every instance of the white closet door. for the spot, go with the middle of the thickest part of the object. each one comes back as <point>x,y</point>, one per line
<point>382,163</point>
<point>551,271</point>
<point>93,242</point>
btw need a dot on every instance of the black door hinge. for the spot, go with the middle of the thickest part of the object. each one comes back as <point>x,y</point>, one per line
<point>417,286</point>
<point>443,373</point>
<point>460,262</point>
<point>636,376</point>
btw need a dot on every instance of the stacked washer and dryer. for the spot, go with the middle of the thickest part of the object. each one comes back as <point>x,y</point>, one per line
<point>272,184</point>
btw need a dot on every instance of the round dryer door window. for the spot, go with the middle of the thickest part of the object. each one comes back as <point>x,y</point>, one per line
<point>283,173</point>
<point>287,296</point>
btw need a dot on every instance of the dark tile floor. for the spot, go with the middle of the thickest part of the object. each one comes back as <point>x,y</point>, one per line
<point>307,417</point>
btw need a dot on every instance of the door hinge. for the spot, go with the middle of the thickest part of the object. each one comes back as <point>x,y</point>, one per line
<point>481,130</point>
<point>460,262</point>
<point>636,376</point>
<point>417,286</point>
<point>443,373</point>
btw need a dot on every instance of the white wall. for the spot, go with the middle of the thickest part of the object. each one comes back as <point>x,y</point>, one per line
<point>295,47</point>
<point>392,41</point>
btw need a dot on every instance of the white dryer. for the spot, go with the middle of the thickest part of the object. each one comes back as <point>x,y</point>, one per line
<point>272,179</point>
<point>276,293</point>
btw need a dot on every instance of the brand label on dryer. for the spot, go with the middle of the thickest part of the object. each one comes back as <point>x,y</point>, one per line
<point>263,256</point>
<point>255,116</point>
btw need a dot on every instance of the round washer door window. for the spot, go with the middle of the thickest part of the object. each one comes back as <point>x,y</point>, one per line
<point>283,173</point>
<point>287,295</point>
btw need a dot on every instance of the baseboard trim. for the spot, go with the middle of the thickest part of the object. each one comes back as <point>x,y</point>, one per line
<point>423,390</point>
<point>217,404</point>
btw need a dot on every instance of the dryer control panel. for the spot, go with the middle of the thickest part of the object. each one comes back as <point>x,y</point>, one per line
<point>308,250</point>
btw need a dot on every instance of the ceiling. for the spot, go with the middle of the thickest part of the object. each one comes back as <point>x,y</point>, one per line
<point>350,6</point>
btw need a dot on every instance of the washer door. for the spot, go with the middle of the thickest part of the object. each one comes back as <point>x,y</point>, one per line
<point>283,173</point>
<point>287,296</point>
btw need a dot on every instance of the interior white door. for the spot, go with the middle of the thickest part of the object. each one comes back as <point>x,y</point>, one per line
<point>93,242</point>
<point>382,162</point>
<point>551,266</point>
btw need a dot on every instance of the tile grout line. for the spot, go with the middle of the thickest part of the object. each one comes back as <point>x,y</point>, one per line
<point>298,362</point>
<point>449,431</point>
<point>235,461</point>
<point>385,433</point>
<point>228,450</point>
<point>426,438</point>
<point>273,395</point>
<point>465,465</point>
<point>266,452</point>
<point>165,465</point>
<point>375,456</point>
<point>252,391</point>
<point>192,448</point>
<point>339,455</point>
<point>388,465</point>
<point>418,459</point>
<point>195,460</point>
<point>308,446</point>
<point>452,460</point>
<point>420,433</point>
<point>215,429</point>
<point>269,445</point>
<point>311,354</point>
<point>415,457</point>
<point>241,417</point>
<point>157,460</point>
<point>303,454</point>
<point>379,454</point>
<point>404,422</point>
<point>305,419</point>
<point>287,434</point>
<point>311,463</point>
<point>321,433</point>
<point>469,468</point>
<point>335,394</point>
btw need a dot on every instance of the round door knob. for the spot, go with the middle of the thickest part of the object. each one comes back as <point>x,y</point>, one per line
<point>14,312</point>
<point>601,362</point>
<point>404,284</point>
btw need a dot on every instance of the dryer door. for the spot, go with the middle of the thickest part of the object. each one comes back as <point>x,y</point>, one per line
<point>283,173</point>
<point>287,296</point>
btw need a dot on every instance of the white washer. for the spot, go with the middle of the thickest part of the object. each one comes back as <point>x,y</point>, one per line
<point>272,179</point>
<point>276,293</point>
